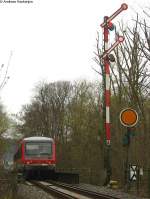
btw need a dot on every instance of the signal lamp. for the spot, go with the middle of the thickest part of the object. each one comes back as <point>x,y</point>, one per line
<point>111,58</point>
<point>110,26</point>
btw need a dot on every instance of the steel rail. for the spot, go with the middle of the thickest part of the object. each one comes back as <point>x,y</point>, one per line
<point>84,192</point>
<point>55,191</point>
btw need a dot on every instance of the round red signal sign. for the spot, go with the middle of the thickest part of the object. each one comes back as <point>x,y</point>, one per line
<point>124,6</point>
<point>128,117</point>
<point>120,38</point>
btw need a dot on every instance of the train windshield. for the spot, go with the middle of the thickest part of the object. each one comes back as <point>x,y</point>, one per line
<point>39,149</point>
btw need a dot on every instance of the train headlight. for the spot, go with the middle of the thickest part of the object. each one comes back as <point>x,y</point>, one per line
<point>29,162</point>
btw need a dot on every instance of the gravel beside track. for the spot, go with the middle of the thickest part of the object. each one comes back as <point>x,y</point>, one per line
<point>109,191</point>
<point>29,191</point>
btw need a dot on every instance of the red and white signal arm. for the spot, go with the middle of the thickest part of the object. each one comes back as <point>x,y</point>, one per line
<point>128,117</point>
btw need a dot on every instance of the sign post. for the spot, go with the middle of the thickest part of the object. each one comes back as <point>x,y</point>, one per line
<point>107,26</point>
<point>128,118</point>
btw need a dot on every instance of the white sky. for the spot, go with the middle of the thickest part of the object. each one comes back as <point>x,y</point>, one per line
<point>52,40</point>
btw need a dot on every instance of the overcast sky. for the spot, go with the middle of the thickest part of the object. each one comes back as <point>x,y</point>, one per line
<point>51,40</point>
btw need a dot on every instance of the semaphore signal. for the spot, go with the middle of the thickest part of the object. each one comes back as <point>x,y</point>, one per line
<point>107,26</point>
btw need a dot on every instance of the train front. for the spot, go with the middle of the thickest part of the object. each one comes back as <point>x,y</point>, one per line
<point>38,154</point>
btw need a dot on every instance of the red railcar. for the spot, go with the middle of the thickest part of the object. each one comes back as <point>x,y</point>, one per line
<point>35,154</point>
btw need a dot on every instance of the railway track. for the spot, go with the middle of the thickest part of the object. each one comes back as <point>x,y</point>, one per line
<point>65,191</point>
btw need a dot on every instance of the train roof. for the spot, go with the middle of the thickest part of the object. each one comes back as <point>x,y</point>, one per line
<point>38,138</point>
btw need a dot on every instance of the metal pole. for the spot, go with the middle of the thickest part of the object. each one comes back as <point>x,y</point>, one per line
<point>127,160</point>
<point>107,101</point>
